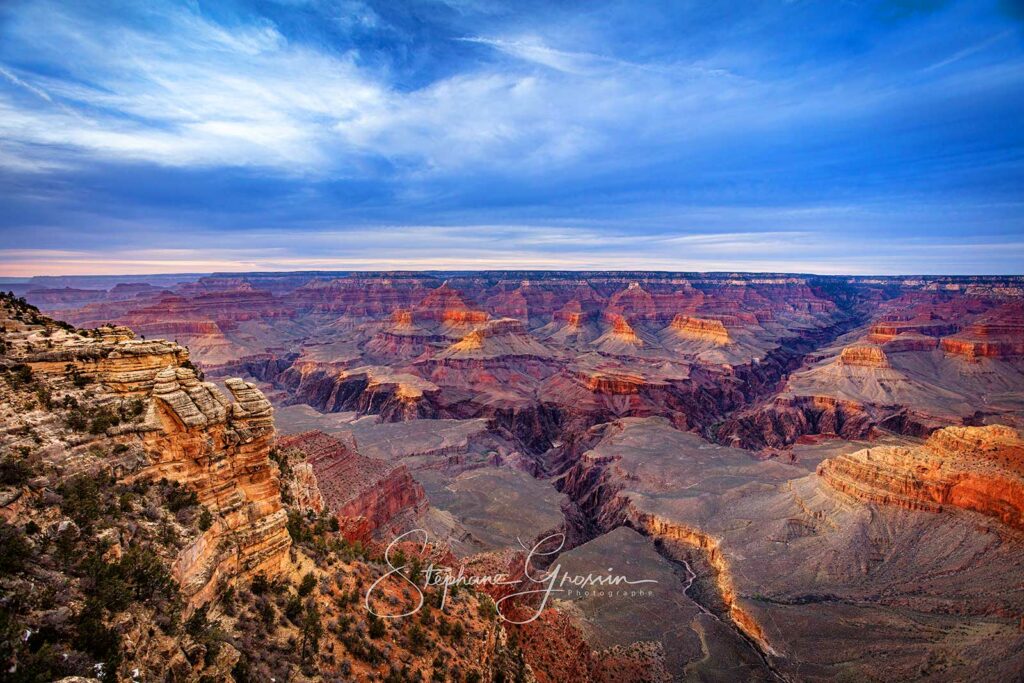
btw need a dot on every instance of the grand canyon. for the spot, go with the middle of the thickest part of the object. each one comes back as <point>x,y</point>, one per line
<point>823,475</point>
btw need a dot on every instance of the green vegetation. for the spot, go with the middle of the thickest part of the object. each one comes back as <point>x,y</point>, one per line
<point>73,374</point>
<point>205,520</point>
<point>21,310</point>
<point>16,550</point>
<point>177,497</point>
<point>80,498</point>
<point>18,376</point>
<point>14,471</point>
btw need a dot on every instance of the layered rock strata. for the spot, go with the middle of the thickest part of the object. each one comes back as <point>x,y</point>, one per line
<point>701,329</point>
<point>368,496</point>
<point>865,356</point>
<point>220,449</point>
<point>973,468</point>
<point>111,356</point>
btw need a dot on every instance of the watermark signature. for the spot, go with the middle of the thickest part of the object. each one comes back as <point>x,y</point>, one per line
<point>543,584</point>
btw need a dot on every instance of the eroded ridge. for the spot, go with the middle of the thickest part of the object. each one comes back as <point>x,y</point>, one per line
<point>368,496</point>
<point>974,468</point>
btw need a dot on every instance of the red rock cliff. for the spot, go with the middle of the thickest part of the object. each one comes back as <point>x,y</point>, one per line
<point>354,487</point>
<point>220,449</point>
<point>974,468</point>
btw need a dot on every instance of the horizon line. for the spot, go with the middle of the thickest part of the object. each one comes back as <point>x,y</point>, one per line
<point>24,279</point>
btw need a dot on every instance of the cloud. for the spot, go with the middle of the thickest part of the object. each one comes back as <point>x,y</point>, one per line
<point>532,49</point>
<point>657,133</point>
<point>542,246</point>
<point>968,51</point>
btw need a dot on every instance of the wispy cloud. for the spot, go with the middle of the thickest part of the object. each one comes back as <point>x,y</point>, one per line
<point>503,246</point>
<point>653,134</point>
<point>968,51</point>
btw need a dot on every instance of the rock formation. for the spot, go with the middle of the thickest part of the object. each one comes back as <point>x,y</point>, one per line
<point>110,356</point>
<point>974,468</point>
<point>367,495</point>
<point>220,449</point>
<point>866,356</point>
<point>619,338</point>
<point>146,538</point>
<point>700,329</point>
<point>192,435</point>
<point>495,339</point>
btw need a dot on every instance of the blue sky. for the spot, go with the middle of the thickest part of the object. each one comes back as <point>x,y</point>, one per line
<point>831,136</point>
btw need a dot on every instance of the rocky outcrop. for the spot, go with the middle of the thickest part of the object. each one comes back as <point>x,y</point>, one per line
<point>449,306</point>
<point>974,468</point>
<point>665,530</point>
<point>111,356</point>
<point>700,329</point>
<point>367,495</point>
<point>781,422</point>
<point>865,356</point>
<point>505,337</point>
<point>886,330</point>
<point>620,337</point>
<point>220,449</point>
<point>910,341</point>
<point>191,434</point>
<point>974,348</point>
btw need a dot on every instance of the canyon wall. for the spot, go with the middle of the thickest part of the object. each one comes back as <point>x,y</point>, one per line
<point>974,468</point>
<point>220,449</point>
<point>191,434</point>
<point>368,496</point>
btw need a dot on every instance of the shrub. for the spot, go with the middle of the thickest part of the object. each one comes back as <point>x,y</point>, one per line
<point>307,585</point>
<point>312,630</point>
<point>178,497</point>
<point>131,409</point>
<point>260,585</point>
<point>103,419</point>
<point>76,420</point>
<point>205,520</point>
<point>77,378</point>
<point>93,636</point>
<point>147,574</point>
<point>19,376</point>
<point>377,627</point>
<point>45,397</point>
<point>14,471</point>
<point>16,549</point>
<point>293,609</point>
<point>417,639</point>
<point>202,631</point>
<point>81,499</point>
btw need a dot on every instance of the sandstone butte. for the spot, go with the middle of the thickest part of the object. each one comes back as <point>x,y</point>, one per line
<point>973,468</point>
<point>192,434</point>
<point>867,356</point>
<point>505,337</point>
<point>620,336</point>
<point>998,335</point>
<point>701,329</point>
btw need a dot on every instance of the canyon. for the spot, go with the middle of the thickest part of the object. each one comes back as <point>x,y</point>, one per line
<point>823,474</point>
